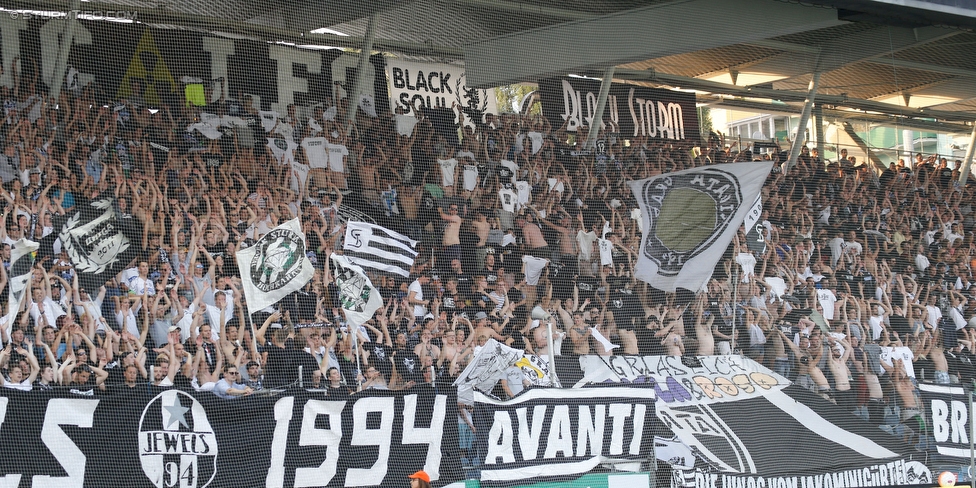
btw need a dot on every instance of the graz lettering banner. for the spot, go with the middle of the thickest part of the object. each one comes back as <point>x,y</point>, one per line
<point>550,434</point>
<point>722,409</point>
<point>947,411</point>
<point>119,58</point>
<point>654,113</point>
<point>150,437</point>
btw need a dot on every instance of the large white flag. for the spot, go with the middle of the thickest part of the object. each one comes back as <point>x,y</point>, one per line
<point>485,368</point>
<point>357,295</point>
<point>275,266</point>
<point>690,217</point>
<point>19,275</point>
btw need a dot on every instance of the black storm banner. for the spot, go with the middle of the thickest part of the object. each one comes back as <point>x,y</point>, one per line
<point>654,113</point>
<point>151,437</point>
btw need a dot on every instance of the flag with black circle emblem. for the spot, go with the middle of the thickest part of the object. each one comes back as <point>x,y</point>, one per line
<point>690,217</point>
<point>358,297</point>
<point>274,266</point>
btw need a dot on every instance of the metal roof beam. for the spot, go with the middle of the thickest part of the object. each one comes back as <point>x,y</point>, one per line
<point>633,35</point>
<point>935,68</point>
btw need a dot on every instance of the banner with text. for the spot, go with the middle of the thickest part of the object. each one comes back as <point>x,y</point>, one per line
<point>150,437</point>
<point>947,411</point>
<point>130,60</point>
<point>547,434</point>
<point>654,113</point>
<point>686,379</point>
<point>430,85</point>
<point>894,473</point>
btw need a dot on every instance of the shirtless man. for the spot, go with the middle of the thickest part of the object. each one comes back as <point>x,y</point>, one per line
<point>580,334</point>
<point>426,348</point>
<point>703,330</point>
<point>535,243</point>
<point>910,412</point>
<point>452,232</point>
<point>567,241</point>
<point>481,227</point>
<point>937,355</point>
<point>837,362</point>
<point>673,345</point>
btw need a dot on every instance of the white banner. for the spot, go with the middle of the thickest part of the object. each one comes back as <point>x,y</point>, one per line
<point>274,266</point>
<point>432,85</point>
<point>688,379</point>
<point>19,274</point>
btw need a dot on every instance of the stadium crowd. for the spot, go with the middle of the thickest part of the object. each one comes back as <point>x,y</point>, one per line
<point>865,287</point>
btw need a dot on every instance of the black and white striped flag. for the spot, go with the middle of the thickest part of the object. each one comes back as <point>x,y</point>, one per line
<point>378,248</point>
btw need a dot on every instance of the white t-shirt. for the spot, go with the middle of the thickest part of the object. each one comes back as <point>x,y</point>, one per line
<point>827,301</point>
<point>128,322</point>
<point>282,149</point>
<point>470,177</point>
<point>606,252</point>
<point>447,171</point>
<point>22,386</point>
<point>418,310</point>
<point>268,120</point>
<point>337,157</point>
<point>316,152</point>
<point>935,314</point>
<point>299,176</point>
<point>511,167</point>
<point>213,315</point>
<point>508,199</point>
<point>524,190</point>
<point>405,124</point>
<point>533,269</point>
<point>957,318</point>
<point>747,262</point>
<point>889,354</point>
<point>536,138</point>
<point>585,242</point>
<point>51,310</point>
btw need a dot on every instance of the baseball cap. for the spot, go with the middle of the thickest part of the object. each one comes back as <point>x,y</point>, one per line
<point>35,171</point>
<point>480,315</point>
<point>174,328</point>
<point>420,475</point>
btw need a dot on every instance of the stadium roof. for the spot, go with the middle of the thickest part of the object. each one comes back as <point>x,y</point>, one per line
<point>909,60</point>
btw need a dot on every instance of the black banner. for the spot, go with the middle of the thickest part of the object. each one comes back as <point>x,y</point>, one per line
<point>151,437</point>
<point>548,434</point>
<point>114,56</point>
<point>659,114</point>
<point>100,240</point>
<point>947,412</point>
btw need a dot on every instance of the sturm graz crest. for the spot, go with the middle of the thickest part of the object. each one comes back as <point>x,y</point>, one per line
<point>177,444</point>
<point>277,260</point>
<point>687,213</point>
<point>354,289</point>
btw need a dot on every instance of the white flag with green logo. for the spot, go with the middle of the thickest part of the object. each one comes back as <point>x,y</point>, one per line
<point>274,266</point>
<point>690,217</point>
<point>357,295</point>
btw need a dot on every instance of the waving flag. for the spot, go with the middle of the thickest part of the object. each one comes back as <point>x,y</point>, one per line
<point>275,266</point>
<point>357,295</point>
<point>378,248</point>
<point>690,217</point>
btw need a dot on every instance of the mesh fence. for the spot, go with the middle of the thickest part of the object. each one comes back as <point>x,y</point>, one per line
<point>233,262</point>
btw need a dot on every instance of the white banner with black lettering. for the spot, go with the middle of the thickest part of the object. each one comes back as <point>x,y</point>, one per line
<point>429,85</point>
<point>549,434</point>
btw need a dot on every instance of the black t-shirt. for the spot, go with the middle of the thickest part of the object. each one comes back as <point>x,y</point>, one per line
<point>408,366</point>
<point>945,176</point>
<point>278,367</point>
<point>625,307</point>
<point>452,303</point>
